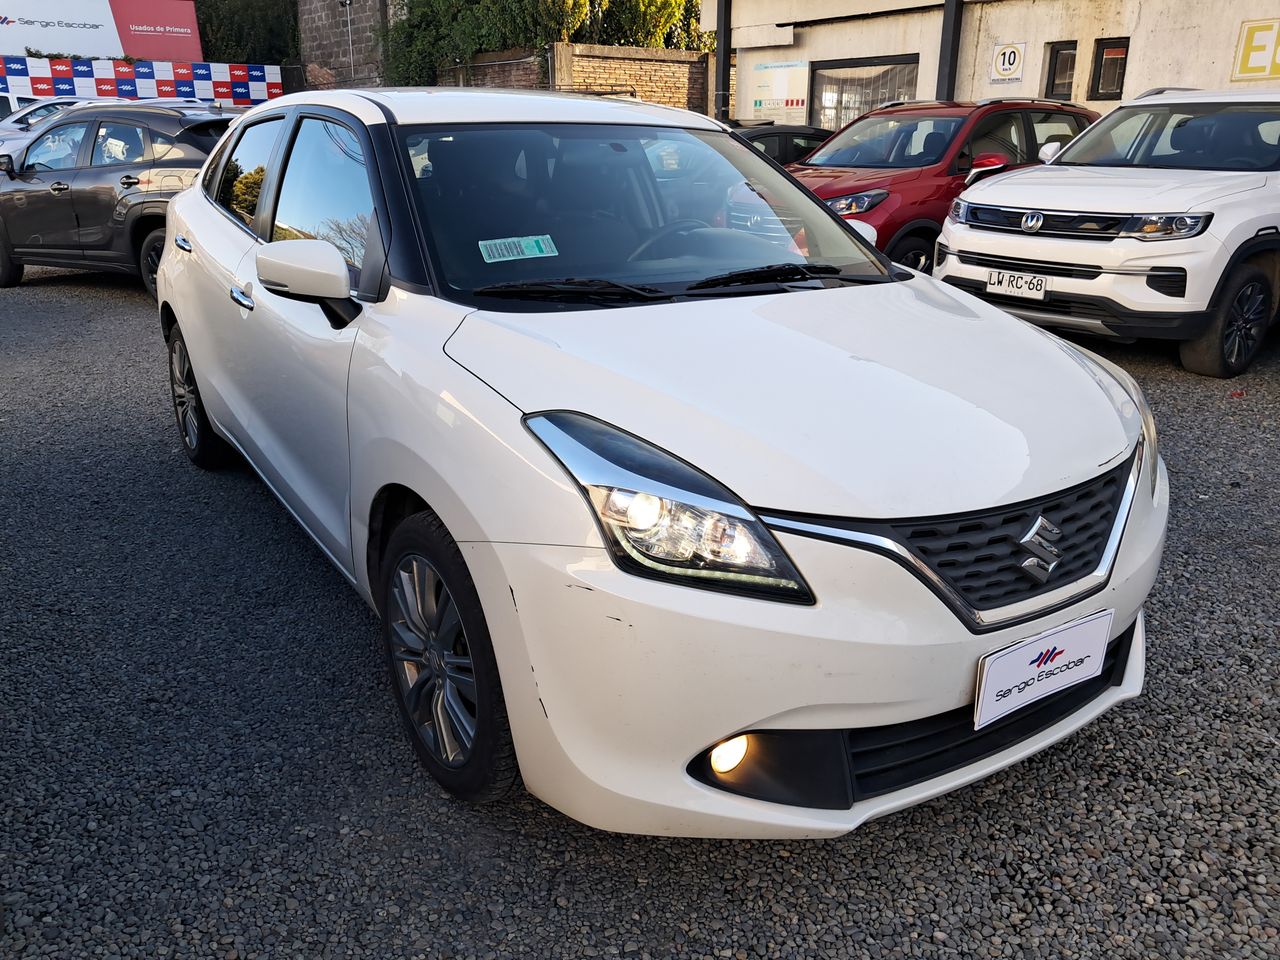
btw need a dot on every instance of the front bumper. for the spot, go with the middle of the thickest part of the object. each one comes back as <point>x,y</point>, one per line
<point>615,683</point>
<point>1102,287</point>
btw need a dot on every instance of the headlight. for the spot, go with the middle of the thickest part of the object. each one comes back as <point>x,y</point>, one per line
<point>959,211</point>
<point>664,519</point>
<point>1166,226</point>
<point>857,202</point>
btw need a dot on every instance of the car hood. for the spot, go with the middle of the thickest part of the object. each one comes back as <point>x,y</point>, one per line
<point>895,400</point>
<point>828,182</point>
<point>1110,189</point>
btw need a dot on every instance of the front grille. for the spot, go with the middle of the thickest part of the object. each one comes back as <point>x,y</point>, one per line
<point>897,755</point>
<point>1078,271</point>
<point>979,556</point>
<point>1077,226</point>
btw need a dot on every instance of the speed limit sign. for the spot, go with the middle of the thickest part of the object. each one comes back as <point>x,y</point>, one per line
<point>1006,62</point>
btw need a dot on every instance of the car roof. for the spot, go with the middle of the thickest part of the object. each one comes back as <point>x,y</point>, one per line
<point>1267,95</point>
<point>411,105</point>
<point>961,108</point>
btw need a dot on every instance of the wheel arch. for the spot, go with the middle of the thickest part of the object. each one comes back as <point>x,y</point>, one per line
<point>392,505</point>
<point>1263,250</point>
<point>148,218</point>
<point>168,320</point>
<point>919,227</point>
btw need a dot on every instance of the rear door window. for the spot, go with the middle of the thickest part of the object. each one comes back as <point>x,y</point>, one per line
<point>999,133</point>
<point>241,182</point>
<point>1054,126</point>
<point>118,142</point>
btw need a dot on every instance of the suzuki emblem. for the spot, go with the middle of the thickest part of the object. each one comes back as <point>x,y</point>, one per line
<point>1039,542</point>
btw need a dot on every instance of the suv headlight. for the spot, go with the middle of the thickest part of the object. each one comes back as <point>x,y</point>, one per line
<point>857,202</point>
<point>959,211</point>
<point>1166,226</point>
<point>664,519</point>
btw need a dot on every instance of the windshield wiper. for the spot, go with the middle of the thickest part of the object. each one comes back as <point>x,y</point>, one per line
<point>780,273</point>
<point>586,288</point>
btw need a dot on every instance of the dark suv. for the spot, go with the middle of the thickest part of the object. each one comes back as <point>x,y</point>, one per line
<point>90,190</point>
<point>899,166</point>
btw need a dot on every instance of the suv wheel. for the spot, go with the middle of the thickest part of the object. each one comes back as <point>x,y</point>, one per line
<point>149,259</point>
<point>443,671</point>
<point>915,252</point>
<point>1238,327</point>
<point>10,270</point>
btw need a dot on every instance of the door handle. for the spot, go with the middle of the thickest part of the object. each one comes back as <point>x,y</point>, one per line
<point>240,298</point>
<point>59,187</point>
<point>129,180</point>
<point>182,243</point>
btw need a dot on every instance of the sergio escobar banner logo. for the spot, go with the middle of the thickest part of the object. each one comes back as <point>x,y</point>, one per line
<point>1044,659</point>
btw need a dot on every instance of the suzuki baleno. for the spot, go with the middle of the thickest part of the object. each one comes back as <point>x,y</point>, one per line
<point>698,524</point>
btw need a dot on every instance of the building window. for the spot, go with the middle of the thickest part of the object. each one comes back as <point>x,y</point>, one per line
<point>1109,58</point>
<point>1062,70</point>
<point>842,90</point>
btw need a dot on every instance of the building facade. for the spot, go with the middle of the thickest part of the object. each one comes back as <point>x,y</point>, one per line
<point>826,61</point>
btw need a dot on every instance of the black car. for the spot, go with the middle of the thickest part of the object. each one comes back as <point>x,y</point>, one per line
<point>786,143</point>
<point>90,190</point>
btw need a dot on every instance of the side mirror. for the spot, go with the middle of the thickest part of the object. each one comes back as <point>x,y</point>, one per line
<point>310,270</point>
<point>1049,151</point>
<point>985,163</point>
<point>6,166</point>
<point>865,230</point>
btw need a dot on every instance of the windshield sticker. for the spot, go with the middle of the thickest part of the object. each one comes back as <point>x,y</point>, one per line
<point>517,248</point>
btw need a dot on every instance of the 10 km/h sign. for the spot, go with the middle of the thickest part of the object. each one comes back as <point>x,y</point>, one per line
<point>1006,62</point>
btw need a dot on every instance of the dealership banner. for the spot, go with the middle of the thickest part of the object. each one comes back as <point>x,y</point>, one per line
<point>238,83</point>
<point>147,29</point>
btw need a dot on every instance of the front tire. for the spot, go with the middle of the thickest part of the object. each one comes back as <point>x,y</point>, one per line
<point>444,675</point>
<point>203,447</point>
<point>1239,325</point>
<point>149,255</point>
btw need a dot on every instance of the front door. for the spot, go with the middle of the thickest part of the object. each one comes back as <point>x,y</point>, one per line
<point>36,206</point>
<point>119,164</point>
<point>299,361</point>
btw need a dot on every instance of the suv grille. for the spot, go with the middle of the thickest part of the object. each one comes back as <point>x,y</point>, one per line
<point>1078,226</point>
<point>897,755</point>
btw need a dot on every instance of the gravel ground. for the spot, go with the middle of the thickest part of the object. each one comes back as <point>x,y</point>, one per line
<point>198,755</point>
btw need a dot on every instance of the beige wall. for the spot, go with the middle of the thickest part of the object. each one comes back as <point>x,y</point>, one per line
<point>1172,42</point>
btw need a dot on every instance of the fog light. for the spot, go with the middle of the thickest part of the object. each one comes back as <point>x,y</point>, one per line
<point>729,753</point>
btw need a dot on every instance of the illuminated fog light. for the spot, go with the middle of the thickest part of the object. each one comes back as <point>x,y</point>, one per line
<point>725,756</point>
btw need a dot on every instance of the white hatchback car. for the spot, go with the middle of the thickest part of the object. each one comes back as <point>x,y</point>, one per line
<point>712,527</point>
<point>1161,220</point>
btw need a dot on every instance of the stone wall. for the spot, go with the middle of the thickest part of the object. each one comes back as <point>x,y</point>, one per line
<point>676,78</point>
<point>510,69</point>
<point>322,29</point>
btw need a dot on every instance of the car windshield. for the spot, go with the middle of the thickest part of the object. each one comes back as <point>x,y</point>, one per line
<point>1200,136</point>
<point>905,140</point>
<point>565,213</point>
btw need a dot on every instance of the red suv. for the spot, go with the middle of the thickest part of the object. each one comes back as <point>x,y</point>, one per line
<point>899,166</point>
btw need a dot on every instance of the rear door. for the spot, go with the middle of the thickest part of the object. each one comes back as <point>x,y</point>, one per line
<point>216,233</point>
<point>36,206</point>
<point>1053,126</point>
<point>116,177</point>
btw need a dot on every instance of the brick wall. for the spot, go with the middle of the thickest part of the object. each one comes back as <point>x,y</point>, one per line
<point>322,29</point>
<point>510,69</point>
<point>676,78</point>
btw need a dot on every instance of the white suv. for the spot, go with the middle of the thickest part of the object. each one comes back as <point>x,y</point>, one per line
<point>1161,220</point>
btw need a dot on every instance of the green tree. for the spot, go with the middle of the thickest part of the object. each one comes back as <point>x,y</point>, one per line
<point>641,23</point>
<point>248,31</point>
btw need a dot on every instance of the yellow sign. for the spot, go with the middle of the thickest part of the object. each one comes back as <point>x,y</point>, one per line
<point>1258,56</point>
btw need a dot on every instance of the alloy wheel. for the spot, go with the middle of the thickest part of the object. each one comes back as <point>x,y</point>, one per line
<point>432,661</point>
<point>186,398</point>
<point>1246,324</point>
